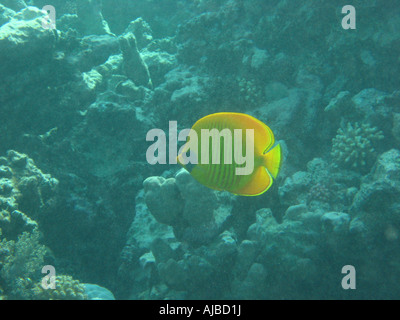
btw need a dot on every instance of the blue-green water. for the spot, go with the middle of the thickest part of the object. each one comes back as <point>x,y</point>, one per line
<point>83,197</point>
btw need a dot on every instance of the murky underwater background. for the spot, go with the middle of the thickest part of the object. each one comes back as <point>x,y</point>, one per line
<point>78,195</point>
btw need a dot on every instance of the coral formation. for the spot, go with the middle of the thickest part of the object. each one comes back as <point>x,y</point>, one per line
<point>21,262</point>
<point>134,66</point>
<point>396,127</point>
<point>25,194</point>
<point>355,146</point>
<point>95,292</point>
<point>194,211</point>
<point>250,92</point>
<point>23,36</point>
<point>319,192</point>
<point>2,296</point>
<point>22,256</point>
<point>163,199</point>
<point>66,288</point>
<point>90,18</point>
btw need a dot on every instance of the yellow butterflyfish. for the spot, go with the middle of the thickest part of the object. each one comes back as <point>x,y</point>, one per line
<point>217,143</point>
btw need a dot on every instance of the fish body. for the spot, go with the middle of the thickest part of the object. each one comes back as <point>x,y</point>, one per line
<point>222,140</point>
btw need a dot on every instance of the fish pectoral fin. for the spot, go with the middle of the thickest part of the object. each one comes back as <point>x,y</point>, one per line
<point>260,182</point>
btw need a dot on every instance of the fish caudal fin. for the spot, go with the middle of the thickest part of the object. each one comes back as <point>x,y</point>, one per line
<point>272,160</point>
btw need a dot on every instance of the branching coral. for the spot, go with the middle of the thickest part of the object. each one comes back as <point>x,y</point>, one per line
<point>20,264</point>
<point>354,147</point>
<point>249,91</point>
<point>25,187</point>
<point>21,261</point>
<point>319,192</point>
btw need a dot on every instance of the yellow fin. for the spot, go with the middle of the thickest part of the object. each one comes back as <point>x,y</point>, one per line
<point>260,182</point>
<point>272,160</point>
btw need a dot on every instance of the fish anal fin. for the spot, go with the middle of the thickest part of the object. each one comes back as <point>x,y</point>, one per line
<point>260,182</point>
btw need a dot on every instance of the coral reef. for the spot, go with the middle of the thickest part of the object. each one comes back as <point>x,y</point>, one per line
<point>194,211</point>
<point>66,288</point>
<point>133,65</point>
<point>320,192</point>
<point>163,199</point>
<point>26,194</point>
<point>377,199</point>
<point>80,99</point>
<point>95,292</point>
<point>2,296</point>
<point>90,18</point>
<point>21,262</point>
<point>396,127</point>
<point>23,36</point>
<point>250,91</point>
<point>354,147</point>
